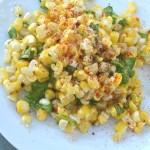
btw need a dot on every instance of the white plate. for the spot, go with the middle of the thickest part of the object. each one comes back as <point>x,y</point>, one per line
<point>47,136</point>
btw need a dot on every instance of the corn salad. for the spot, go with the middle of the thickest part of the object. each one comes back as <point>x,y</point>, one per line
<point>77,65</point>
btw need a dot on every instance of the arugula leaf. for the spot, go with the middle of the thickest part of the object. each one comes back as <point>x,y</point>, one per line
<point>123,22</point>
<point>28,54</point>
<point>125,67</point>
<point>143,35</point>
<point>119,109</point>
<point>37,92</point>
<point>108,10</point>
<point>95,27</point>
<point>70,69</point>
<point>12,33</point>
<point>90,12</point>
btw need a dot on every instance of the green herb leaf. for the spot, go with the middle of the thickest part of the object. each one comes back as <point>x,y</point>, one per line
<point>45,9</point>
<point>52,79</point>
<point>126,105</point>
<point>114,17</point>
<point>39,49</point>
<point>119,109</point>
<point>130,62</point>
<point>143,35</point>
<point>37,92</point>
<point>125,67</point>
<point>123,22</point>
<point>125,78</point>
<point>28,54</point>
<point>90,12</point>
<point>70,69</point>
<point>108,11</point>
<point>12,33</point>
<point>95,27</point>
<point>47,108</point>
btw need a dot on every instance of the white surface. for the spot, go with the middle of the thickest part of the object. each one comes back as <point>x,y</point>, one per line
<point>47,136</point>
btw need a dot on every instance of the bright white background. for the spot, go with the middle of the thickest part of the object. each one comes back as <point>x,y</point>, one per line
<point>47,135</point>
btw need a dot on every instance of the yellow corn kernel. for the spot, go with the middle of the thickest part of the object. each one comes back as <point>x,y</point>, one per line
<point>12,86</point>
<point>145,117</point>
<point>45,58</point>
<point>50,4</point>
<point>130,41</point>
<point>107,41</point>
<point>88,113</point>
<point>13,97</point>
<point>3,75</point>
<point>42,73</point>
<point>133,21</point>
<point>139,127</point>
<point>120,129</point>
<point>63,124</point>
<point>32,28</point>
<point>41,114</point>
<point>113,112</point>
<point>80,74</point>
<point>22,107</point>
<point>103,118</point>
<point>58,84</point>
<point>106,23</point>
<point>114,36</point>
<point>18,24</point>
<point>132,7</point>
<point>117,79</point>
<point>70,128</point>
<point>139,63</point>
<point>58,68</point>
<point>66,99</point>
<point>84,86</point>
<point>21,63</point>
<point>117,137</point>
<point>93,83</point>
<point>26,119</point>
<point>132,106</point>
<point>84,126</point>
<point>49,94</point>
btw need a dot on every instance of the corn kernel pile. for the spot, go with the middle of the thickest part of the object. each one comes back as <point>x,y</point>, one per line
<point>77,65</point>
